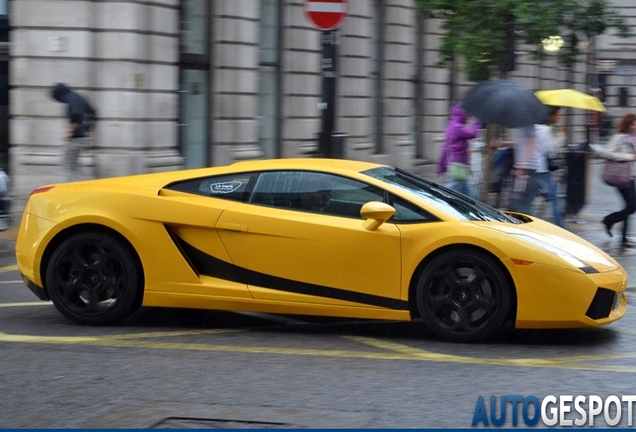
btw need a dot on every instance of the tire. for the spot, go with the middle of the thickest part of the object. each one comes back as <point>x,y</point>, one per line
<point>92,278</point>
<point>463,296</point>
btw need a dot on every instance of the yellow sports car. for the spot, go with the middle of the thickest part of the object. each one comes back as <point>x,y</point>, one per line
<point>313,237</point>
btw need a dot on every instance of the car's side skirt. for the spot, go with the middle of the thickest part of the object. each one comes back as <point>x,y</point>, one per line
<point>193,301</point>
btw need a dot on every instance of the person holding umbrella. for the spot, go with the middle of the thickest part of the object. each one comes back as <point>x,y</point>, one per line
<point>507,104</point>
<point>544,143</point>
<point>455,159</point>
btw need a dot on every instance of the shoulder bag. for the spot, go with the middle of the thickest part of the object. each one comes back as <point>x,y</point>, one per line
<point>457,170</point>
<point>617,174</point>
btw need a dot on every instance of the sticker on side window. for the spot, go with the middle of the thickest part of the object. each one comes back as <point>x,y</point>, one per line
<point>225,187</point>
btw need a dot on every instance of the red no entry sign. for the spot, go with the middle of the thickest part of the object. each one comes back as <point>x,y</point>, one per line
<point>326,14</point>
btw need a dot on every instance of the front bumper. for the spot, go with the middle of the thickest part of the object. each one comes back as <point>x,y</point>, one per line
<point>551,297</point>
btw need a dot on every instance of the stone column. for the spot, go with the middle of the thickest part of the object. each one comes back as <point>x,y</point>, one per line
<point>235,81</point>
<point>122,56</point>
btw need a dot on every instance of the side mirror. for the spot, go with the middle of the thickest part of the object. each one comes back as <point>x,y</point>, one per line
<point>375,214</point>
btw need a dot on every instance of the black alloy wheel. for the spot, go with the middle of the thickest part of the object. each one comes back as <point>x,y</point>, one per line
<point>92,278</point>
<point>463,296</point>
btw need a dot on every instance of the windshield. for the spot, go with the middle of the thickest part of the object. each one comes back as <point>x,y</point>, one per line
<point>449,201</point>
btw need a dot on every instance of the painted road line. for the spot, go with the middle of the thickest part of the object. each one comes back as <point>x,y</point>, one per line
<point>406,349</point>
<point>23,304</point>
<point>11,282</point>
<point>393,351</point>
<point>8,268</point>
<point>173,333</point>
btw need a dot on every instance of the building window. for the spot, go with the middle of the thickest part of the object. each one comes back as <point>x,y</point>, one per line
<point>377,57</point>
<point>418,91</point>
<point>269,108</point>
<point>194,83</point>
<point>4,84</point>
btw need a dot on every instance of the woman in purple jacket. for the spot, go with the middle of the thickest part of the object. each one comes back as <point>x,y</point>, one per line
<point>459,131</point>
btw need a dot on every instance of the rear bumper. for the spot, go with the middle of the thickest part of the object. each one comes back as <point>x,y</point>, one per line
<point>38,291</point>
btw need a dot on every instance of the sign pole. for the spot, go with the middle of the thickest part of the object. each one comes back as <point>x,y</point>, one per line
<point>328,105</point>
<point>327,16</point>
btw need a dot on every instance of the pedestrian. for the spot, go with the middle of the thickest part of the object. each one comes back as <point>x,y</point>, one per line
<point>81,121</point>
<point>525,164</point>
<point>455,157</point>
<point>621,148</point>
<point>549,142</point>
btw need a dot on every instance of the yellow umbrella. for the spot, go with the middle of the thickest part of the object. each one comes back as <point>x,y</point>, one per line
<point>570,98</point>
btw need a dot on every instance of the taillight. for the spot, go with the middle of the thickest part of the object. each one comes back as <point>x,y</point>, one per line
<point>41,189</point>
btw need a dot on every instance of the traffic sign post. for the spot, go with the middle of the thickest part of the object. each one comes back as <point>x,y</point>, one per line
<point>328,15</point>
<point>326,146</point>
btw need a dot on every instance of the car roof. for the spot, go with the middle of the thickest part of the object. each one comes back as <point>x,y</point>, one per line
<point>151,183</point>
<point>304,163</point>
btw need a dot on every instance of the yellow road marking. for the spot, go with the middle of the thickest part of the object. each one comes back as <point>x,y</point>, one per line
<point>40,303</point>
<point>392,351</point>
<point>172,334</point>
<point>8,268</point>
<point>570,361</point>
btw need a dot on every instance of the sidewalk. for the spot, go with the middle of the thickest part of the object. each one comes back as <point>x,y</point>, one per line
<point>600,200</point>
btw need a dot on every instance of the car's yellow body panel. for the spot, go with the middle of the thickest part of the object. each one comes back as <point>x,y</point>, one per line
<point>308,263</point>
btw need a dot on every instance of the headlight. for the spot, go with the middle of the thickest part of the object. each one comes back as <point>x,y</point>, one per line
<point>586,268</point>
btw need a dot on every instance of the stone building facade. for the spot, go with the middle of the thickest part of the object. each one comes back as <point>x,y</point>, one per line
<point>190,83</point>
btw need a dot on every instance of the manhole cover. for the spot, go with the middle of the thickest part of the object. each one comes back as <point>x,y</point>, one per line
<point>202,423</point>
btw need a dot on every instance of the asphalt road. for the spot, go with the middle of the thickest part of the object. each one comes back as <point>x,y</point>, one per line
<point>178,368</point>
<point>171,368</point>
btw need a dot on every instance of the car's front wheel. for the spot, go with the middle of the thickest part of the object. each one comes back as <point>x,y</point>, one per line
<point>92,278</point>
<point>462,295</point>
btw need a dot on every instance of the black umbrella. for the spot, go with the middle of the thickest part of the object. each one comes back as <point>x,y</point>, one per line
<point>506,103</point>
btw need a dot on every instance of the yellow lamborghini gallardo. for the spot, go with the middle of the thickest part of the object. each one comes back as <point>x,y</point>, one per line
<point>313,237</point>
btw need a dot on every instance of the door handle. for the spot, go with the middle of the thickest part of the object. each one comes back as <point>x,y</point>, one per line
<point>231,226</point>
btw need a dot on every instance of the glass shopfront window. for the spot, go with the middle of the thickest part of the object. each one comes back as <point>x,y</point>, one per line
<point>4,84</point>
<point>269,78</point>
<point>377,58</point>
<point>194,83</point>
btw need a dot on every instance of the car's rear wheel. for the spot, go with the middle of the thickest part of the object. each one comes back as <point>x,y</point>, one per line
<point>92,278</point>
<point>463,295</point>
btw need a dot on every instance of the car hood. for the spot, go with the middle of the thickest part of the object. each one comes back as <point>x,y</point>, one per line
<point>563,240</point>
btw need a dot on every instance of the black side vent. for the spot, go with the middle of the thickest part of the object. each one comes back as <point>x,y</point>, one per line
<point>602,304</point>
<point>204,264</point>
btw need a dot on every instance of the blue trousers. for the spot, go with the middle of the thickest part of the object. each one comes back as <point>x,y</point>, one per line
<point>460,186</point>
<point>522,201</point>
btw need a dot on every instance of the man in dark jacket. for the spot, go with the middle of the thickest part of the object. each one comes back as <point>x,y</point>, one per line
<point>81,120</point>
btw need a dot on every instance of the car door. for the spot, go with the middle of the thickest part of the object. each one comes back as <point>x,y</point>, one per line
<point>290,249</point>
<point>195,206</point>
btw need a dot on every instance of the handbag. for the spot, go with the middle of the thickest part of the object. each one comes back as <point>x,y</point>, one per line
<point>617,174</point>
<point>458,171</point>
<point>554,163</point>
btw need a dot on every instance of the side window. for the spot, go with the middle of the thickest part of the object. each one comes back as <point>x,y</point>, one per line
<point>314,192</point>
<point>406,212</point>
<point>232,187</point>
